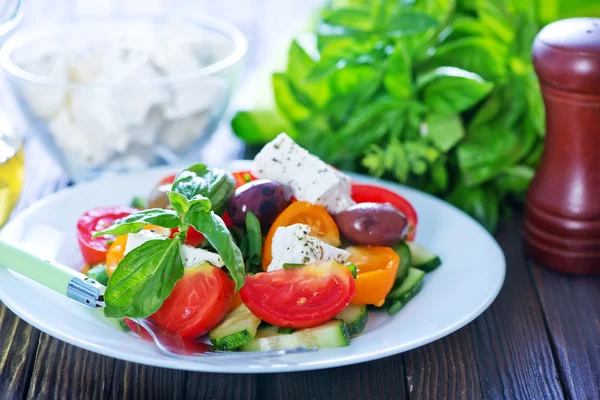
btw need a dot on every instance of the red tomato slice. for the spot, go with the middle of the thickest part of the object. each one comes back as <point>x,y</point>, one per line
<point>198,302</point>
<point>95,220</point>
<point>363,193</point>
<point>299,297</point>
<point>242,177</point>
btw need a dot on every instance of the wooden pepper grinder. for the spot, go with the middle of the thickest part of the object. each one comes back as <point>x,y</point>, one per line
<point>562,221</point>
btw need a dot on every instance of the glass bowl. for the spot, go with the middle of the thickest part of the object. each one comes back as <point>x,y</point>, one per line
<point>118,94</point>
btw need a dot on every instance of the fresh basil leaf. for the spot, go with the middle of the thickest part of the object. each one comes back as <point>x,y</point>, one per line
<point>255,245</point>
<point>439,9</point>
<point>199,182</point>
<point>439,176</point>
<point>420,156</point>
<point>535,106</point>
<point>287,103</point>
<point>398,78</point>
<point>178,202</point>
<point>144,280</point>
<point>337,45</point>
<point>464,26</point>
<point>483,56</point>
<point>136,222</point>
<point>497,19</point>
<point>405,23</point>
<point>99,274</point>
<point>486,152</point>
<point>480,202</point>
<point>514,180</point>
<point>352,18</point>
<point>451,90</point>
<point>300,66</point>
<point>444,131</point>
<point>259,126</point>
<point>214,230</point>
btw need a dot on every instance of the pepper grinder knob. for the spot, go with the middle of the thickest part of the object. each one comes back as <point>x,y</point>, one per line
<point>562,220</point>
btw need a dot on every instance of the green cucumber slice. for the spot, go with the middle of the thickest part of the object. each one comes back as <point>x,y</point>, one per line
<point>99,274</point>
<point>331,334</point>
<point>403,251</point>
<point>402,293</point>
<point>238,327</point>
<point>422,258</point>
<point>355,317</point>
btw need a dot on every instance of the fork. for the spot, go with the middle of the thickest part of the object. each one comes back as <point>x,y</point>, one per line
<point>86,291</point>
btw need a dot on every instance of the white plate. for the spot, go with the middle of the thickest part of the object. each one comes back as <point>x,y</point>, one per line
<point>456,293</point>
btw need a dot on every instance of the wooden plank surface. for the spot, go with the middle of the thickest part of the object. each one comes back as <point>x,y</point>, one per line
<point>572,310</point>
<point>510,342</point>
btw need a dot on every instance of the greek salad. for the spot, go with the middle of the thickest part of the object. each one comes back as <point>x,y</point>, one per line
<point>289,253</point>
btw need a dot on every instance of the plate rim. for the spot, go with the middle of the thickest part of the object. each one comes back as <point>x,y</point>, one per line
<point>273,368</point>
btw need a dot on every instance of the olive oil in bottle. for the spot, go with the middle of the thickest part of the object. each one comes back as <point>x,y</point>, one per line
<point>11,173</point>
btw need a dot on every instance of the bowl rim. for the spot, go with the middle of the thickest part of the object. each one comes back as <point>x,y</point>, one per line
<point>28,36</point>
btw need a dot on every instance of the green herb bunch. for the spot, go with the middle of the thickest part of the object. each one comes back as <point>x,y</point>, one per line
<point>147,275</point>
<point>430,93</point>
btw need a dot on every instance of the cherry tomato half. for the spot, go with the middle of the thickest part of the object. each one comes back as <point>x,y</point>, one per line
<point>95,220</point>
<point>199,301</point>
<point>322,225</point>
<point>299,297</point>
<point>364,193</point>
<point>376,268</point>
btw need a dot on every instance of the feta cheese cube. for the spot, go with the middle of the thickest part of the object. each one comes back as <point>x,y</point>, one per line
<point>135,240</point>
<point>310,178</point>
<point>294,245</point>
<point>191,257</point>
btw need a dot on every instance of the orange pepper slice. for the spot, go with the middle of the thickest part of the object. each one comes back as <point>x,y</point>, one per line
<point>115,254</point>
<point>376,268</point>
<point>116,251</point>
<point>322,225</point>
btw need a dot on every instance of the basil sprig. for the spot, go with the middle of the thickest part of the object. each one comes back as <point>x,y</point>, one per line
<point>144,279</point>
<point>136,222</point>
<point>212,183</point>
<point>147,275</point>
<point>214,230</point>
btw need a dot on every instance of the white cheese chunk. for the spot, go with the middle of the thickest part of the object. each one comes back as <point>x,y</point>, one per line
<point>191,257</point>
<point>135,240</point>
<point>294,245</point>
<point>310,178</point>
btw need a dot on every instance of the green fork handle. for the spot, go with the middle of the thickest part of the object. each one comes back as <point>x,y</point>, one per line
<point>62,279</point>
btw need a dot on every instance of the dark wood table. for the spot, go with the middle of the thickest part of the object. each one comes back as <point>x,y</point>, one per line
<point>540,339</point>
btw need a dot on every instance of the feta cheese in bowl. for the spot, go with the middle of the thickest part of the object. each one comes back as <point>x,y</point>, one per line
<point>126,93</point>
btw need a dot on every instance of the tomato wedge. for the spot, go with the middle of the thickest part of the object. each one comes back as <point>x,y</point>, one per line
<point>376,268</point>
<point>198,302</point>
<point>299,297</point>
<point>322,225</point>
<point>364,193</point>
<point>95,220</point>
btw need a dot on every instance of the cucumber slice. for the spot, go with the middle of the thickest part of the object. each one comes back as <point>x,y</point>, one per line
<point>285,331</point>
<point>403,251</point>
<point>331,334</point>
<point>99,274</point>
<point>404,292</point>
<point>355,317</point>
<point>238,327</point>
<point>422,258</point>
